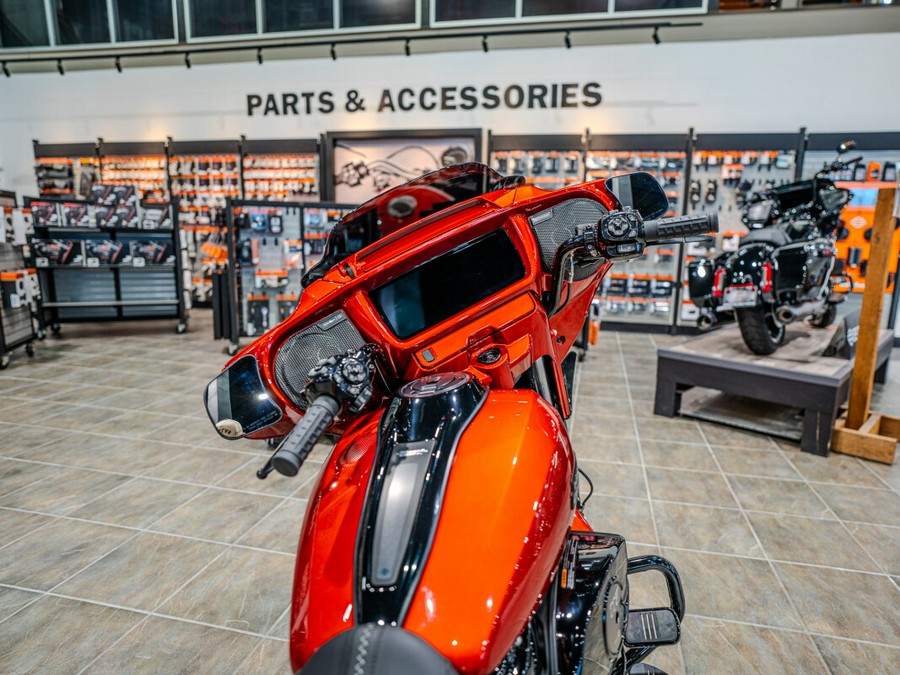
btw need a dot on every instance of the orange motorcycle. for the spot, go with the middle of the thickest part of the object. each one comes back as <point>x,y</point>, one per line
<point>434,342</point>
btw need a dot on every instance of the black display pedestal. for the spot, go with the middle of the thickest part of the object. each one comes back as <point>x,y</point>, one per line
<point>794,376</point>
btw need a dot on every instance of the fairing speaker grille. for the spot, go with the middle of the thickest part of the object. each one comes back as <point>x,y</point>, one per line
<point>331,336</point>
<point>555,225</point>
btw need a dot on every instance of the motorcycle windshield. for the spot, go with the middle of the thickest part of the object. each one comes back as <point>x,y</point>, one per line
<point>402,206</point>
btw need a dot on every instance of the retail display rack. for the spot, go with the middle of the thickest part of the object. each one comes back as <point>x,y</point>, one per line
<point>725,169</point>
<point>645,291</point>
<point>111,258</point>
<point>19,293</point>
<point>550,162</point>
<point>201,175</point>
<point>274,244</point>
<point>880,154</point>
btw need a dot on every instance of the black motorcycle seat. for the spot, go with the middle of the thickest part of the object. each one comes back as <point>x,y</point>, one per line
<point>773,236</point>
<point>371,649</point>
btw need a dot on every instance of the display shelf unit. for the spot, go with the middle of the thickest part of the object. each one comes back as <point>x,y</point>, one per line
<point>881,161</point>
<point>66,169</point>
<point>141,164</point>
<point>17,327</point>
<point>274,244</point>
<point>550,162</point>
<point>145,282</point>
<point>725,170</point>
<point>284,170</point>
<point>203,176</point>
<point>643,292</point>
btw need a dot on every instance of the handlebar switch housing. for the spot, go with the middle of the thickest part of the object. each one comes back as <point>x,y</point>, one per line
<point>620,234</point>
<point>346,378</point>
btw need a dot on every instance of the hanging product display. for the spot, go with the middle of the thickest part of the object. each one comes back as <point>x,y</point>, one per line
<point>880,154</point>
<point>66,169</point>
<point>548,162</point>
<point>644,290</point>
<point>141,166</point>
<point>280,170</point>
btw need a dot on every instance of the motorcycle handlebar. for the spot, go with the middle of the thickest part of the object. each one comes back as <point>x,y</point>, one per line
<point>295,448</point>
<point>663,229</point>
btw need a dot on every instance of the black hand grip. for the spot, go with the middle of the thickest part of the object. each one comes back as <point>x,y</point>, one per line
<point>681,226</point>
<point>296,446</point>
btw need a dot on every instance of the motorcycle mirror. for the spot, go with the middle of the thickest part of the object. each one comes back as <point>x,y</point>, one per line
<point>237,402</point>
<point>641,192</point>
<point>846,146</point>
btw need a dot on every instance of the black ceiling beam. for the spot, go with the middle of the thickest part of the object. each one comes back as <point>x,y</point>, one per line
<point>188,50</point>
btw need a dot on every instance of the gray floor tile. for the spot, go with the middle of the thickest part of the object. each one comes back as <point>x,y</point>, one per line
<point>15,438</point>
<point>779,496</point>
<point>278,531</point>
<point>809,540</point>
<point>844,604</point>
<point>691,487</point>
<point>606,448</point>
<point>845,656</point>
<point>13,600</point>
<point>138,503</point>
<point>728,587</point>
<point>662,429</point>
<point>833,469</point>
<point>622,480</point>
<point>722,435</point>
<point>169,646</point>
<point>243,589</point>
<point>269,657</point>
<point>15,475</point>
<point>881,542</point>
<point>16,524</point>
<point>705,528</point>
<point>754,462</point>
<point>628,517</point>
<point>711,646</point>
<point>863,504</point>
<point>57,635</point>
<point>142,573</point>
<point>218,515</point>
<point>675,455</point>
<point>198,465</point>
<point>50,555</point>
<point>63,492</point>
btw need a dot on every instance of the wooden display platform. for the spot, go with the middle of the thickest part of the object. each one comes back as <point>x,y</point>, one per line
<point>795,375</point>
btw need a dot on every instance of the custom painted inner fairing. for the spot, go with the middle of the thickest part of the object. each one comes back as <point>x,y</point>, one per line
<point>386,213</point>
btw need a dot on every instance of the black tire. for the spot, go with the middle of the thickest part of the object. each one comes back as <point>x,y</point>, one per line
<point>761,332</point>
<point>827,318</point>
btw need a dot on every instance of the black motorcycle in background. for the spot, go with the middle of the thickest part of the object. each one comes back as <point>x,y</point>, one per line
<point>785,268</point>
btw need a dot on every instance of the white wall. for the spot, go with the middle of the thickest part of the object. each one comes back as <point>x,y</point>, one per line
<point>823,83</point>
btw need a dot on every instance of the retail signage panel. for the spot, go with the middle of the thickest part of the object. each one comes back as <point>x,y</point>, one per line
<point>426,99</point>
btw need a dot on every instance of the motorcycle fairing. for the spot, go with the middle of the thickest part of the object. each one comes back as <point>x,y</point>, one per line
<point>503,520</point>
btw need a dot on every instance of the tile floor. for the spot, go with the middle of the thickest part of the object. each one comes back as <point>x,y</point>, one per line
<point>132,539</point>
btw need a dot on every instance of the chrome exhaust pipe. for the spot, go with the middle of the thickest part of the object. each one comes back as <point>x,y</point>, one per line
<point>706,321</point>
<point>791,313</point>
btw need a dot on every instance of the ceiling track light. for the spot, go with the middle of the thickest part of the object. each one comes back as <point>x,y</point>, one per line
<point>118,64</point>
<point>333,52</point>
<point>259,56</point>
<point>187,59</point>
<point>656,39</point>
<point>406,47</point>
<point>59,67</point>
<point>484,44</point>
<point>6,70</point>
<point>568,40</point>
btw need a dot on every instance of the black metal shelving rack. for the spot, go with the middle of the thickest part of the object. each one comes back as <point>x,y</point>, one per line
<point>16,324</point>
<point>119,292</point>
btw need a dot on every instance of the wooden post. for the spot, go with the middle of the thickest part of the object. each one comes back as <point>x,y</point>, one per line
<point>870,317</point>
<point>859,433</point>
